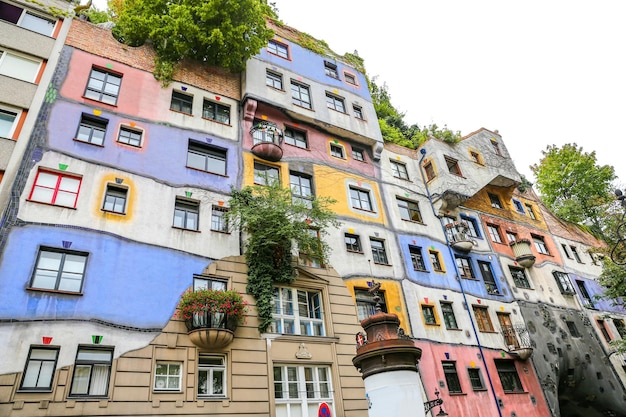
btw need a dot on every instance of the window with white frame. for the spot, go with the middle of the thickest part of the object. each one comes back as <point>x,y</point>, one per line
<point>409,210</point>
<point>266,174</point>
<point>300,94</point>
<point>300,390</point>
<point>358,112</point>
<point>168,376</point>
<point>115,199</point>
<point>92,371</point>
<point>130,136</point>
<point>379,253</point>
<point>19,66</point>
<point>211,376</point>
<point>335,102</point>
<point>540,244</point>
<point>358,154</point>
<point>216,111</point>
<point>360,199</point>
<point>186,214</point>
<point>59,189</point>
<point>207,282</point>
<point>564,283</point>
<point>92,129</point>
<point>353,243</point>
<point>297,311</point>
<point>295,137</point>
<point>8,123</point>
<point>331,69</point>
<point>399,170</point>
<point>337,151</point>
<point>26,19</point>
<point>274,79</point>
<point>59,269</point>
<point>39,370</point>
<point>278,48</point>
<point>206,158</point>
<point>494,233</point>
<point>103,86</point>
<point>219,222</point>
<point>301,188</point>
<point>181,102</point>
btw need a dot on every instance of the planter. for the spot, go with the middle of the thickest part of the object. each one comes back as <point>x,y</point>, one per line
<point>268,151</point>
<point>463,245</point>
<point>211,331</point>
<point>211,338</point>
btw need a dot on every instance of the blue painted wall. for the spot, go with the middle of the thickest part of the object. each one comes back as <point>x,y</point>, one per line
<point>594,290</point>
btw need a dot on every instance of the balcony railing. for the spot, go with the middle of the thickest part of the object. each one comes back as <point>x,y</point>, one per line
<point>517,341</point>
<point>459,236</point>
<point>211,331</point>
<point>267,139</point>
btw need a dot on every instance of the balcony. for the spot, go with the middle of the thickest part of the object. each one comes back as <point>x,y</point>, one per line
<point>459,236</point>
<point>211,331</point>
<point>517,341</point>
<point>522,252</point>
<point>267,140</point>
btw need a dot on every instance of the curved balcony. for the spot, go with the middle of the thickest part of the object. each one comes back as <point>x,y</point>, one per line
<point>522,252</point>
<point>211,331</point>
<point>459,236</point>
<point>267,140</point>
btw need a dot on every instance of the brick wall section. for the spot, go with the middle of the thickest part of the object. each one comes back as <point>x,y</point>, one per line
<point>99,41</point>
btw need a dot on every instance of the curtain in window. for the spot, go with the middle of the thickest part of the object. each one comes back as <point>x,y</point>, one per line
<point>99,380</point>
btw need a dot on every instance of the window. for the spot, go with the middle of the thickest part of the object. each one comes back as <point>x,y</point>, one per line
<point>465,267</point>
<point>265,174</point>
<point>295,137</point>
<point>453,166</point>
<point>297,312</point>
<point>274,80</point>
<point>335,103</point>
<point>92,130</point>
<point>350,78</point>
<point>435,260</point>
<point>378,251</point>
<point>331,69</point>
<point>56,188</point>
<point>91,372</point>
<point>488,278</point>
<point>494,233</point>
<point>452,377</point>
<point>201,282</point>
<point>360,199</point>
<point>186,214</point>
<point>573,330</point>
<point>562,280</point>
<point>7,123</point>
<point>566,251</point>
<point>279,49</point>
<point>471,224</point>
<point>519,207</point>
<point>336,151</point>
<point>476,379</point>
<point>495,201</point>
<point>25,19</point>
<point>130,136</point>
<point>430,170</point>
<point>508,376</point>
<point>353,243</point>
<point>39,370</point>
<point>531,212</point>
<point>576,255</point>
<point>115,199</point>
<point>19,66</point>
<point>620,327</point>
<point>300,390</point>
<point>511,237</point>
<point>216,111</point>
<point>540,244</point>
<point>417,259</point>
<point>300,95</point>
<point>429,314</point>
<point>399,170</point>
<point>305,256</point>
<point>206,158</point>
<point>603,330</point>
<point>519,277</point>
<point>103,86</point>
<point>211,376</point>
<point>358,112</point>
<point>181,102</point>
<point>496,147</point>
<point>476,158</point>
<point>59,270</point>
<point>449,318</point>
<point>301,188</point>
<point>584,294</point>
<point>409,210</point>
<point>483,321</point>
<point>218,219</point>
<point>167,376</point>
<point>365,304</point>
<point>358,154</point>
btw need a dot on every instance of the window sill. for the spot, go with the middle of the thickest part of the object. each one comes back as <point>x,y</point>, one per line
<point>355,251</point>
<point>421,270</point>
<point>479,389</point>
<point>378,263</point>
<point>515,392</point>
<point>301,338</point>
<point>456,393</point>
<point>212,398</point>
<point>166,391</point>
<point>433,324</point>
<point>53,291</point>
<point>50,204</point>
<point>296,146</point>
<point>184,229</point>
<point>403,179</point>
<point>33,390</point>
<point>114,212</point>
<point>181,112</point>
<point>208,172</point>
<point>87,397</point>
<point>367,211</point>
<point>414,222</point>
<point>281,57</point>
<point>488,331</point>
<point>303,107</point>
<point>454,328</point>
<point>282,90</point>
<point>100,102</point>
<point>87,143</point>
<point>337,111</point>
<point>220,231</point>
<point>208,119</point>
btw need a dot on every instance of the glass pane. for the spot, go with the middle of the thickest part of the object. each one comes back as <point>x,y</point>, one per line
<point>80,383</point>
<point>192,221</point>
<point>74,263</point>
<point>31,374</point>
<point>65,199</point>
<point>70,282</point>
<point>18,67</point>
<point>218,382</point>
<point>281,410</point>
<point>195,160</point>
<point>37,24</point>
<point>179,218</point>
<point>45,279</point>
<point>44,195</point>
<point>94,355</point>
<point>49,260</point>
<point>173,382</point>
<point>203,376</point>
<point>45,179</point>
<point>49,354</point>
<point>6,122</point>
<point>99,380</point>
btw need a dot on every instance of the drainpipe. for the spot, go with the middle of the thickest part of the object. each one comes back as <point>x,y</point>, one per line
<point>456,270</point>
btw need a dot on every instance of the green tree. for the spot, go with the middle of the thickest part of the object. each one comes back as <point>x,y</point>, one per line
<point>574,187</point>
<point>223,33</point>
<point>273,222</point>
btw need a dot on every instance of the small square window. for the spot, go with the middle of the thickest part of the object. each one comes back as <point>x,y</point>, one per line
<point>563,282</point>
<point>186,214</point>
<point>508,376</point>
<point>465,267</point>
<point>39,370</point>
<point>409,210</point>
<point>278,48</point>
<point>398,170</point>
<point>430,171</point>
<point>296,137</point>
<point>353,243</point>
<point>496,147</point>
<point>211,376</point>
<point>274,80</point>
<point>350,78</point>
<point>330,69</point>
<point>92,130</point>
<point>358,154</point>
<point>7,123</point>
<point>181,102</point>
<point>206,158</point>
<point>56,188</point>
<point>449,318</point>
<point>365,304</point>
<point>358,112</point>
<point>495,201</point>
<point>452,377</point>
<point>494,233</point>
<point>476,379</point>
<point>60,270</point>
<point>511,236</point>
<point>476,158</point>
<point>335,103</point>
<point>417,258</point>
<point>103,86</point>
<point>519,207</point>
<point>378,251</point>
<point>218,219</point>
<point>115,199</point>
<point>531,212</point>
<point>207,282</point>
<point>300,95</point>
<point>216,111</point>
<point>435,260</point>
<point>471,224</point>
<point>428,312</point>
<point>540,244</point>
<point>168,376</point>
<point>130,136</point>
<point>266,174</point>
<point>92,371</point>
<point>453,166</point>
<point>519,277</point>
<point>360,199</point>
<point>337,151</point>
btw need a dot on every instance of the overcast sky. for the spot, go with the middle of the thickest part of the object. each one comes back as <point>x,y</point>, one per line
<point>540,72</point>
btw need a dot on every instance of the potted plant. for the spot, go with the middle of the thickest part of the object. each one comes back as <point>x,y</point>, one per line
<point>212,309</point>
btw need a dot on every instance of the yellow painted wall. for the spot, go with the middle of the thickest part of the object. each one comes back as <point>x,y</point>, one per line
<point>130,198</point>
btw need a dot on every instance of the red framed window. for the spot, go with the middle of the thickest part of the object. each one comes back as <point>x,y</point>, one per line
<point>56,188</point>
